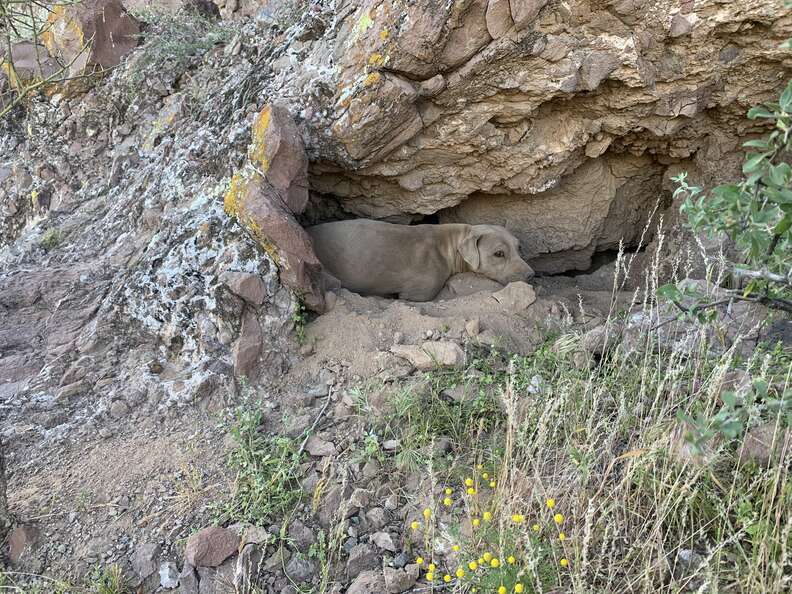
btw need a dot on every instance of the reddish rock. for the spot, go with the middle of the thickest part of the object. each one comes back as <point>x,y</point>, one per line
<point>29,62</point>
<point>248,346</point>
<point>258,207</point>
<point>23,540</point>
<point>245,285</point>
<point>277,151</point>
<point>764,444</point>
<point>210,547</point>
<point>111,32</point>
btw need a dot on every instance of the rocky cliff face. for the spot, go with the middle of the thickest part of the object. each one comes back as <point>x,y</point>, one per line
<point>558,119</point>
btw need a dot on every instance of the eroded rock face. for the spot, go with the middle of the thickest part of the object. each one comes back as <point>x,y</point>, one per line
<point>481,106</point>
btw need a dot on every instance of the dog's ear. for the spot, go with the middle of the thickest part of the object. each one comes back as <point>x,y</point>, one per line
<point>469,251</point>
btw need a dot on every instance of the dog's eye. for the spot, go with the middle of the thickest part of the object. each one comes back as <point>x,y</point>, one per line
<point>499,254</point>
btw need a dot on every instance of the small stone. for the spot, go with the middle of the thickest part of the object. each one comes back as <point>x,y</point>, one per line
<point>248,286</point>
<point>119,409</point>
<point>105,433</point>
<point>400,560</point>
<point>144,559</point>
<point>300,569</point>
<point>377,517</point>
<point>169,575</point>
<point>763,444</point>
<point>307,349</point>
<point>316,446</point>
<point>432,354</point>
<point>398,337</point>
<point>302,536</point>
<point>210,547</point>
<point>362,557</point>
<point>360,498</point>
<point>391,444</point>
<point>368,582</point>
<point>67,392</point>
<point>384,541</point>
<point>680,25</point>
<point>400,580</point>
<point>22,541</point>
<point>432,86</point>
<point>515,297</point>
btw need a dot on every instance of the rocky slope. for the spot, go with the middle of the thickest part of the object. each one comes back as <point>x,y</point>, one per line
<point>141,287</point>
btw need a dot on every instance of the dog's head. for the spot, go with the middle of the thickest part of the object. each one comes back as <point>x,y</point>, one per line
<point>494,252</point>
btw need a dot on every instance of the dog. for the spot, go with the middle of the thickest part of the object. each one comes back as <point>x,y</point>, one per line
<point>414,262</point>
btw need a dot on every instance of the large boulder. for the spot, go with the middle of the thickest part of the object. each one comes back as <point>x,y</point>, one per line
<point>90,35</point>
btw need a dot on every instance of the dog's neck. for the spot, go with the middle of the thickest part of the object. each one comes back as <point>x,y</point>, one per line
<point>458,263</point>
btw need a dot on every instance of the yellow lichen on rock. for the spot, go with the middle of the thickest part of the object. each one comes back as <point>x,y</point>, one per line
<point>376,60</point>
<point>372,79</point>
<point>258,146</point>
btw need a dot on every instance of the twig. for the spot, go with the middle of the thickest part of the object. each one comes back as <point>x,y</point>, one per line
<point>316,421</point>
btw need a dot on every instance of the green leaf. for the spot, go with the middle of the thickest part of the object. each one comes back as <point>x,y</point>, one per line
<point>760,112</point>
<point>783,226</point>
<point>759,143</point>
<point>786,98</point>
<point>752,163</point>
<point>670,292</point>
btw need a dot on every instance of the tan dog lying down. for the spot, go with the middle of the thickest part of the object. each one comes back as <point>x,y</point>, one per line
<point>414,262</point>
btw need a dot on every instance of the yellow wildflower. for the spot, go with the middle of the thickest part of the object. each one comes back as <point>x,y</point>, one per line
<point>476,522</point>
<point>519,588</point>
<point>432,567</point>
<point>493,484</point>
<point>550,503</point>
<point>449,490</point>
<point>460,573</point>
<point>429,576</point>
<point>564,562</point>
<point>518,518</point>
<point>487,557</point>
<point>473,566</point>
<point>485,476</point>
<point>511,560</point>
<point>427,513</point>
<point>558,518</point>
<point>448,502</point>
<point>561,536</point>
<point>415,525</point>
<point>419,561</point>
<point>502,590</point>
<point>446,578</point>
<point>487,516</point>
<point>495,563</point>
<point>535,528</point>
<point>455,548</point>
<point>471,491</point>
<point>468,482</point>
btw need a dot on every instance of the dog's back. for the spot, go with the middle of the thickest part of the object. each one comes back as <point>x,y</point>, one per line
<point>376,258</point>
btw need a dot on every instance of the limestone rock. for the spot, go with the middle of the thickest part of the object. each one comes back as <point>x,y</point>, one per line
<point>431,354</point>
<point>210,547</point>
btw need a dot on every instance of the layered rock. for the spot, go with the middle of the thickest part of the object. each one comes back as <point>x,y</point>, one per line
<point>414,110</point>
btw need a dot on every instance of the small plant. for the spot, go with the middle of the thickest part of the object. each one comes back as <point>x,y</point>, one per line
<point>51,238</point>
<point>299,319</point>
<point>108,580</point>
<point>496,546</point>
<point>267,472</point>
